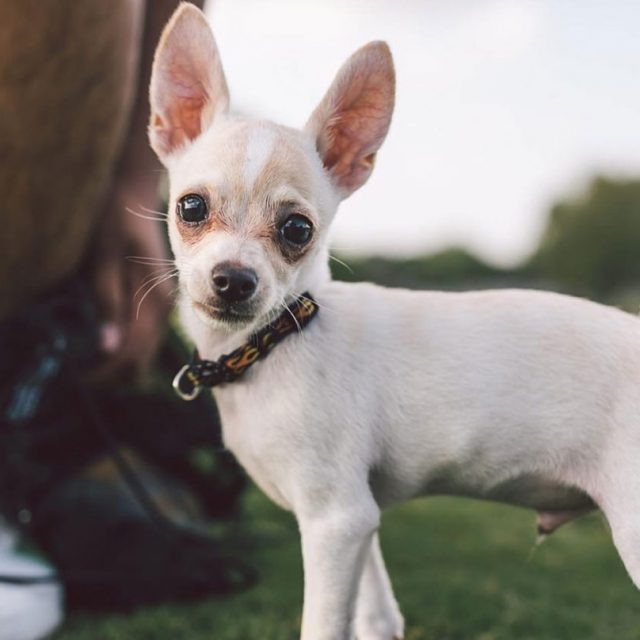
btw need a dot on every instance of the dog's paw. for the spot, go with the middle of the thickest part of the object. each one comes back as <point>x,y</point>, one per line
<point>380,627</point>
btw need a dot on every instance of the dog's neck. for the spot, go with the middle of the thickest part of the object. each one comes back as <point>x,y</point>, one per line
<point>212,343</point>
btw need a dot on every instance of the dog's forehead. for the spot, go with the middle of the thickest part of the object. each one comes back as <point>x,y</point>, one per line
<point>250,160</point>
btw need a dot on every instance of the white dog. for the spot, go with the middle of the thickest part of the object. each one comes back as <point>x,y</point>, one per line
<point>518,396</point>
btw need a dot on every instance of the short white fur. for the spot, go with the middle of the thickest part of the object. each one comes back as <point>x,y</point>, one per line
<point>524,397</point>
<point>260,146</point>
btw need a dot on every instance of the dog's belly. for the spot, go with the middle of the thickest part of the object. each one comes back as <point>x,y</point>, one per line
<point>555,503</point>
<point>537,493</point>
<point>548,497</point>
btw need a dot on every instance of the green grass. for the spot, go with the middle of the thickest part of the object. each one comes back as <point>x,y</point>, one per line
<point>462,570</point>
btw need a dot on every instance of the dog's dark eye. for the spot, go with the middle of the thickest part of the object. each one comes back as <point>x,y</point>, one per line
<point>296,229</point>
<point>192,208</point>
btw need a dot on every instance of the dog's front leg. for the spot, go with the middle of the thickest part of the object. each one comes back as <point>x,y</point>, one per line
<point>335,542</point>
<point>378,616</point>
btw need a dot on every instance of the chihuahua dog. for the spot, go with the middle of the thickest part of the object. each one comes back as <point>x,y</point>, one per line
<point>523,397</point>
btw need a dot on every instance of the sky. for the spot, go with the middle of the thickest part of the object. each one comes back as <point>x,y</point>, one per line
<point>503,106</point>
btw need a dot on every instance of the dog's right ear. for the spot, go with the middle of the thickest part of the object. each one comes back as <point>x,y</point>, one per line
<point>353,118</point>
<point>188,88</point>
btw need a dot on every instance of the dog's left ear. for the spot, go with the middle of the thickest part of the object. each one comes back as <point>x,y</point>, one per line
<point>351,122</point>
<point>188,88</point>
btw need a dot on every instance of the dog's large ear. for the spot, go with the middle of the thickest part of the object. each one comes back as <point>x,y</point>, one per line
<point>351,122</point>
<point>188,87</point>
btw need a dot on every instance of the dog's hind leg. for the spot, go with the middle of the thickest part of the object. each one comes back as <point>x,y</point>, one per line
<point>619,500</point>
<point>614,481</point>
<point>378,616</point>
<point>625,530</point>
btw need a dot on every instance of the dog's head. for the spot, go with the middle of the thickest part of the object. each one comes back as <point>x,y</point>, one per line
<point>251,201</point>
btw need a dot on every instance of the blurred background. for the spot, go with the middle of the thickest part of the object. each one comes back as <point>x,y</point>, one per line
<point>513,160</point>
<point>514,146</point>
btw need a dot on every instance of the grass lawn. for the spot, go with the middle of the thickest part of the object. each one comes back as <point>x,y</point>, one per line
<point>462,570</point>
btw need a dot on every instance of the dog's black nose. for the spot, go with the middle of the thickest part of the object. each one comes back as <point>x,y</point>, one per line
<point>232,283</point>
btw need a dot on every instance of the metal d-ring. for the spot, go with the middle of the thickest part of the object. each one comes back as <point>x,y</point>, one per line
<point>185,395</point>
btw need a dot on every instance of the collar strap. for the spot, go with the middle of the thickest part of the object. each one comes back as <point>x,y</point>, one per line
<point>210,373</point>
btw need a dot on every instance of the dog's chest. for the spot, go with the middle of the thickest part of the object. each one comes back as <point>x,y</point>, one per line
<point>257,440</point>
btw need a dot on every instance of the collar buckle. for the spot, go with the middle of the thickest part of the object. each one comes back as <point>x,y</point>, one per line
<point>185,385</point>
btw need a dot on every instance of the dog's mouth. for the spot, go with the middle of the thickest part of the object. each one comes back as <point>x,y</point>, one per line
<point>227,314</point>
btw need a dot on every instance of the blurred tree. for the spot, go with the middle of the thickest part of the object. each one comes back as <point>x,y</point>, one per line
<point>452,268</point>
<point>591,245</point>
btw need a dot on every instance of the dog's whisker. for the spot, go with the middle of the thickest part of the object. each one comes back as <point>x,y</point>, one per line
<point>155,218</point>
<point>162,214</point>
<point>156,258</point>
<point>272,314</point>
<point>152,278</point>
<point>149,261</point>
<point>322,307</point>
<point>341,262</point>
<point>347,248</point>
<point>151,288</point>
<point>156,273</point>
<point>285,306</point>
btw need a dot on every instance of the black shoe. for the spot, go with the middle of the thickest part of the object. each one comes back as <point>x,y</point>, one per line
<point>111,555</point>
